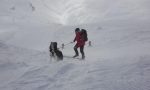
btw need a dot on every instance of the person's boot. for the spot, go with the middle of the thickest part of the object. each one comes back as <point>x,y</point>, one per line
<point>75,55</point>
<point>83,57</point>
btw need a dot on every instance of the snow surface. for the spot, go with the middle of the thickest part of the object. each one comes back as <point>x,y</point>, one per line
<point>119,58</point>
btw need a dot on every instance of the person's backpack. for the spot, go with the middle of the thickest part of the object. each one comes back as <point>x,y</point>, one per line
<point>53,46</point>
<point>84,34</point>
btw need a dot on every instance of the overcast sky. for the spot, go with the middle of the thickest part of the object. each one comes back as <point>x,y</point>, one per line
<point>81,11</point>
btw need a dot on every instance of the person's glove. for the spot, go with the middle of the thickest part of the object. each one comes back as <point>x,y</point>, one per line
<point>72,42</point>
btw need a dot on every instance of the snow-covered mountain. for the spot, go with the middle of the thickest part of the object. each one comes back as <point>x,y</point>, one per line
<point>119,58</point>
<point>74,12</point>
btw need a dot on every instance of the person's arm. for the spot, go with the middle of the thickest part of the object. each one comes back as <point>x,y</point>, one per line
<point>74,39</point>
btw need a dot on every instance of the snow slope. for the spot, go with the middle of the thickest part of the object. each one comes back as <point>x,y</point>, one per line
<point>119,58</point>
<point>112,64</point>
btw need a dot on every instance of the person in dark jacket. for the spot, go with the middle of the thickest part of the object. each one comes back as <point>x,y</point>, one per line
<point>80,43</point>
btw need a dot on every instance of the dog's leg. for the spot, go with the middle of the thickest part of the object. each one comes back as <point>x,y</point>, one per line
<point>59,55</point>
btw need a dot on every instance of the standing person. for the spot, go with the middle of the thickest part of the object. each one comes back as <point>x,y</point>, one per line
<point>80,43</point>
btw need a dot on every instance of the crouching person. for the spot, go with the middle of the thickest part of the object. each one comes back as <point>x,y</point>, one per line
<point>55,52</point>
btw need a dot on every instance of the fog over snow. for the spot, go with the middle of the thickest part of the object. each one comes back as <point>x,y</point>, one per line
<point>119,58</point>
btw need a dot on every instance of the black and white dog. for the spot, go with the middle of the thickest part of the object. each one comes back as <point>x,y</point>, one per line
<point>55,52</point>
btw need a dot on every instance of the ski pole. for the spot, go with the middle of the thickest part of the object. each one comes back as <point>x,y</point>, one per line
<point>63,45</point>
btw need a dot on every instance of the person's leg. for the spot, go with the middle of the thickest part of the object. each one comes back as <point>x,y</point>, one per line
<point>82,52</point>
<point>76,51</point>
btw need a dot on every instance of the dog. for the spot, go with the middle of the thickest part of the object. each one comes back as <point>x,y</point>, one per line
<point>55,52</point>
